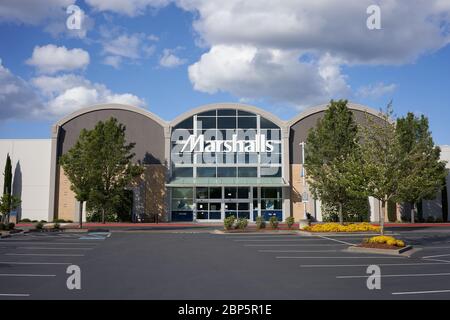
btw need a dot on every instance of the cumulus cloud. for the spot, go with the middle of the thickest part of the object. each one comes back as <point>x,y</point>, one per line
<point>17,97</point>
<point>376,90</point>
<point>129,7</point>
<point>68,92</point>
<point>52,97</point>
<point>31,11</point>
<point>51,59</point>
<point>170,60</point>
<point>293,51</point>
<point>117,46</point>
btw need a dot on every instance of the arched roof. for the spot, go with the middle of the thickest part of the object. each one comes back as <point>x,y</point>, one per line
<point>113,106</point>
<point>228,105</point>
<point>322,107</point>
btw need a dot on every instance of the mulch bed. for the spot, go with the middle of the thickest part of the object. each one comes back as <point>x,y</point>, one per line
<point>378,246</point>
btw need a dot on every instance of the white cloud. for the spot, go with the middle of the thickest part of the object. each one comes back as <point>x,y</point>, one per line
<point>52,97</point>
<point>127,7</point>
<point>170,60</point>
<point>119,46</point>
<point>376,90</point>
<point>31,11</point>
<point>51,59</point>
<point>67,93</point>
<point>17,98</point>
<point>314,38</point>
<point>277,75</point>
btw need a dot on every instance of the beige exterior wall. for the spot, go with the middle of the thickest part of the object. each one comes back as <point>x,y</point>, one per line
<point>297,189</point>
<point>67,203</point>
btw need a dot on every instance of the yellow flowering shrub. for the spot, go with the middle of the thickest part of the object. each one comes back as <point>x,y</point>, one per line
<point>387,240</point>
<point>336,227</point>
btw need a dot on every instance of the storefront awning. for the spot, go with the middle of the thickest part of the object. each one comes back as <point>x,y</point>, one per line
<point>217,182</point>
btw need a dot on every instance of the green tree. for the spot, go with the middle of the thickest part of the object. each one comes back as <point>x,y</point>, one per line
<point>108,168</point>
<point>8,202</point>
<point>7,185</point>
<point>382,163</point>
<point>330,156</point>
<point>423,172</point>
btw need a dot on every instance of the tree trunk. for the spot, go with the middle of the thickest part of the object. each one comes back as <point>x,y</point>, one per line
<point>341,216</point>
<point>382,215</point>
<point>80,214</point>
<point>413,211</point>
<point>103,216</point>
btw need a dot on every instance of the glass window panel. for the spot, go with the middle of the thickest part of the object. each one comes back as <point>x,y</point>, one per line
<point>270,171</point>
<point>271,193</point>
<point>267,124</point>
<point>215,193</point>
<point>206,122</point>
<point>226,123</point>
<point>226,172</point>
<point>202,206</point>
<point>277,204</point>
<point>246,122</point>
<point>202,193</point>
<point>183,193</point>
<point>208,113</point>
<point>268,204</point>
<point>214,206</point>
<point>243,192</point>
<point>209,172</point>
<point>202,215</point>
<point>186,124</point>
<point>248,172</point>
<point>255,192</point>
<point>226,112</point>
<point>182,172</point>
<point>243,206</point>
<point>245,113</point>
<point>230,193</point>
<point>255,204</point>
<point>230,206</point>
<point>215,215</point>
<point>182,204</point>
<point>230,213</point>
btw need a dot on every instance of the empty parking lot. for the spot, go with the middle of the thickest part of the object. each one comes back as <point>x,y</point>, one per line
<point>200,265</point>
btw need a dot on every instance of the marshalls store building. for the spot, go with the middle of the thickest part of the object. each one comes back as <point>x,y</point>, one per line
<point>211,162</point>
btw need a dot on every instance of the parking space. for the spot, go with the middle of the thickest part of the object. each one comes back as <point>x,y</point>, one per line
<point>31,262</point>
<point>201,265</point>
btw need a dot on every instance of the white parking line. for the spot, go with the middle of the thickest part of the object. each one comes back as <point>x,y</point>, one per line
<point>420,292</point>
<point>340,241</point>
<point>292,245</point>
<point>436,256</point>
<point>397,275</point>
<point>46,248</point>
<point>365,257</point>
<point>25,275</point>
<point>45,254</point>
<point>36,263</point>
<point>368,264</point>
<point>14,294</point>
<point>298,250</point>
<point>440,260</point>
<point>281,240</point>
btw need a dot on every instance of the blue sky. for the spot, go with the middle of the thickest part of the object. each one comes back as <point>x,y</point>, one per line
<point>169,56</point>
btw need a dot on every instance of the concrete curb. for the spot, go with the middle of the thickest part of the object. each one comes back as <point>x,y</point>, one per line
<point>340,234</point>
<point>406,251</point>
<point>223,232</point>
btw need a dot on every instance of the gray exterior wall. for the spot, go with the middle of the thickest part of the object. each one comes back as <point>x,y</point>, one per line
<point>145,132</point>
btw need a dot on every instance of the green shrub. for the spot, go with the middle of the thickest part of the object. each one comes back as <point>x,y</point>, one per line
<point>2,226</point>
<point>430,219</point>
<point>290,221</point>
<point>39,226</point>
<point>56,226</point>
<point>228,222</point>
<point>43,221</point>
<point>25,220</point>
<point>11,226</point>
<point>242,223</point>
<point>439,220</point>
<point>260,222</point>
<point>273,222</point>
